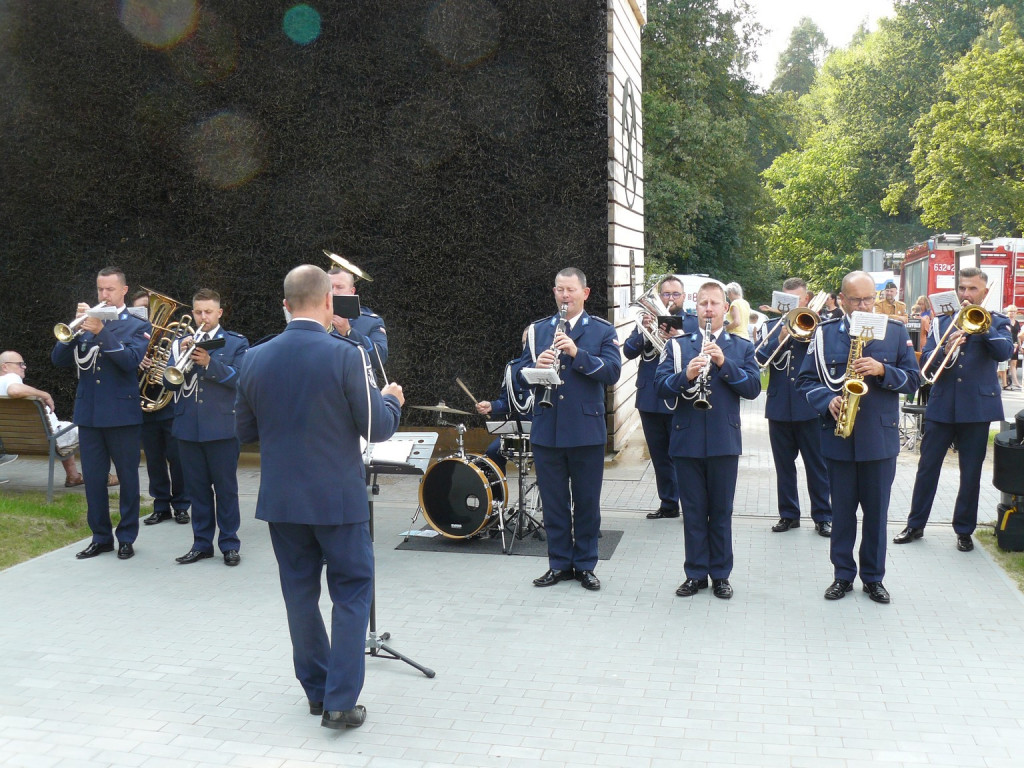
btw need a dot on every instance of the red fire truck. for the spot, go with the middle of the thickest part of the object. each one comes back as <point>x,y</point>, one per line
<point>930,267</point>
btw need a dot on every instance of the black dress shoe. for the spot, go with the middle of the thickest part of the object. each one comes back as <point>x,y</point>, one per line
<point>824,529</point>
<point>663,514</point>
<point>157,517</point>
<point>181,517</point>
<point>350,718</point>
<point>964,542</point>
<point>94,549</point>
<point>192,556</point>
<point>316,707</point>
<point>588,580</point>
<point>231,557</point>
<point>907,535</point>
<point>553,577</point>
<point>785,523</point>
<point>721,588</point>
<point>690,587</point>
<point>838,589</point>
<point>125,551</point>
<point>877,592</point>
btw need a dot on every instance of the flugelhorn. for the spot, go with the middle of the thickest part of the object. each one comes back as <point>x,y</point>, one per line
<point>65,332</point>
<point>971,319</point>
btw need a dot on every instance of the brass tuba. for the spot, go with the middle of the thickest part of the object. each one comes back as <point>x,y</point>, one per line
<point>151,380</point>
<point>854,387</point>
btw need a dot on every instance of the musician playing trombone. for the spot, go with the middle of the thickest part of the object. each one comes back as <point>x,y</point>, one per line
<point>792,423</point>
<point>704,375</point>
<point>655,415</point>
<point>861,467</point>
<point>965,399</point>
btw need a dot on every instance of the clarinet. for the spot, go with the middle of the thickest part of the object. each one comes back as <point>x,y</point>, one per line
<point>547,397</point>
<point>702,403</point>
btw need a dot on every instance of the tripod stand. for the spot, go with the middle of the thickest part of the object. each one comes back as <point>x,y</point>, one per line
<point>520,520</point>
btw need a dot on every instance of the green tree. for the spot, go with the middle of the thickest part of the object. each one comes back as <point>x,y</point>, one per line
<point>798,65</point>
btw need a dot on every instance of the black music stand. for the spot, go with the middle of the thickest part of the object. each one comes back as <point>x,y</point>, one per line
<point>421,446</point>
<point>521,520</point>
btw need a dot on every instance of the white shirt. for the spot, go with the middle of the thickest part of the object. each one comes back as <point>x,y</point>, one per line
<point>6,380</point>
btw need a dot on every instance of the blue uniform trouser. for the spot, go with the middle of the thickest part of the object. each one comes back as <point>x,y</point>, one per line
<point>706,490</point>
<point>167,490</point>
<point>99,446</point>
<point>972,443</point>
<point>330,669</point>
<point>657,432</point>
<point>570,494</point>
<point>867,484</point>
<point>804,437</point>
<point>211,468</point>
<point>494,453</point>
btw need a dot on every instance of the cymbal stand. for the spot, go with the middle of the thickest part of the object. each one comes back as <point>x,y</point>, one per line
<point>521,520</point>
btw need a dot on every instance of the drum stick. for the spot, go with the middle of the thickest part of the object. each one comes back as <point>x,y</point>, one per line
<point>466,390</point>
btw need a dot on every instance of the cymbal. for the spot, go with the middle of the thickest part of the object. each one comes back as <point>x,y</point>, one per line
<point>440,408</point>
<point>347,265</point>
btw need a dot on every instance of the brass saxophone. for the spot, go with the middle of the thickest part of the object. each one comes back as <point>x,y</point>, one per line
<point>854,387</point>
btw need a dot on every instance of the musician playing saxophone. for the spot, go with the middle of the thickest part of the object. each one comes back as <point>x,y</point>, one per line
<point>705,444</point>
<point>861,467</point>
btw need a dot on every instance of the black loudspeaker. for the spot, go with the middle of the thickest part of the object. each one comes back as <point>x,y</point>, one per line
<point>1010,525</point>
<point>1008,462</point>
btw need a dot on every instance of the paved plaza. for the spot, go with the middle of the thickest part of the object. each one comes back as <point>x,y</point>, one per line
<point>152,664</point>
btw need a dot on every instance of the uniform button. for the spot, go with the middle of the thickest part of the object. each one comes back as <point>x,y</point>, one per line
<point>959,381</point>
<point>563,367</point>
<point>200,401</point>
<point>560,397</point>
<point>97,381</point>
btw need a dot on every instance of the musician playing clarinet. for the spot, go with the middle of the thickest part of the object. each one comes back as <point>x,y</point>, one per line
<point>706,373</point>
<point>569,435</point>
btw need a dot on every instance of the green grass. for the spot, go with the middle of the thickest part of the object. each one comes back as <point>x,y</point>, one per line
<point>1011,562</point>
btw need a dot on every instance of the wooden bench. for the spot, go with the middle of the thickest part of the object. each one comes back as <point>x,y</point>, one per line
<point>25,430</point>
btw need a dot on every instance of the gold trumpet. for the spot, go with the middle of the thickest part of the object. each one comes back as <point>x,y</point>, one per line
<point>65,332</point>
<point>971,319</point>
<point>801,322</point>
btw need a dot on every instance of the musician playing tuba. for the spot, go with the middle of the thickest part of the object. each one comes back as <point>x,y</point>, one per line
<point>861,467</point>
<point>705,443</point>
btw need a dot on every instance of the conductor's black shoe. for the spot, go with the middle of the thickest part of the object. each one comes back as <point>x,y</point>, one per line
<point>125,551</point>
<point>785,523</point>
<point>839,589</point>
<point>824,529</point>
<point>231,557</point>
<point>94,549</point>
<point>316,707</point>
<point>181,517</point>
<point>350,718</point>
<point>690,587</point>
<point>721,588</point>
<point>552,577</point>
<point>157,517</point>
<point>588,580</point>
<point>908,535</point>
<point>663,514</point>
<point>877,592</point>
<point>964,542</point>
<point>192,556</point>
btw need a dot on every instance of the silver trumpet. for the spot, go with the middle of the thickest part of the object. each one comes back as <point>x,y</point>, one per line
<point>175,374</point>
<point>65,332</point>
<point>702,402</point>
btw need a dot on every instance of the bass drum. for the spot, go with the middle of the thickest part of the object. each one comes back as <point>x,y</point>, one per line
<point>462,495</point>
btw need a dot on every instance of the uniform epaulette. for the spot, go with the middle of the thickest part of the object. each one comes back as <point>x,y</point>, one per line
<point>367,312</point>
<point>349,339</point>
<point>831,320</point>
<point>599,319</point>
<point>996,312</point>
<point>263,340</point>
<point>236,334</point>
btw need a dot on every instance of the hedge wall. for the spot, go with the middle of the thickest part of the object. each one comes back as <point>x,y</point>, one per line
<point>455,150</point>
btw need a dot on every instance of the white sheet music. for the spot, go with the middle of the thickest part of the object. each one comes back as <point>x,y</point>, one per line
<point>393,451</point>
<point>875,321</point>
<point>103,313</point>
<point>944,303</point>
<point>545,376</point>
<point>783,301</point>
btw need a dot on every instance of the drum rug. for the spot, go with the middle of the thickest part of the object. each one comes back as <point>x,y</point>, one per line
<point>489,543</point>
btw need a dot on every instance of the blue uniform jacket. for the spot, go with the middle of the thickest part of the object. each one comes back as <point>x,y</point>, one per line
<point>204,405</point>
<point>714,432</point>
<point>306,397</point>
<point>784,402</point>
<point>578,416</point>
<point>876,428</point>
<point>968,391</point>
<point>368,329</point>
<point>637,346</point>
<point>108,364</point>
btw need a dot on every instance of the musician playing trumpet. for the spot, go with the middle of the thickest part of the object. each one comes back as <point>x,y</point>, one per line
<point>703,376</point>
<point>861,467</point>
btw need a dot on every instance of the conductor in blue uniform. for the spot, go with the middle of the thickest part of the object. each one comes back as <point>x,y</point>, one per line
<point>706,441</point>
<point>204,425</point>
<point>861,467</point>
<point>963,403</point>
<point>792,423</point>
<point>368,329</point>
<point>569,437</point>
<point>108,411</point>
<point>308,397</point>
<point>655,415</point>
